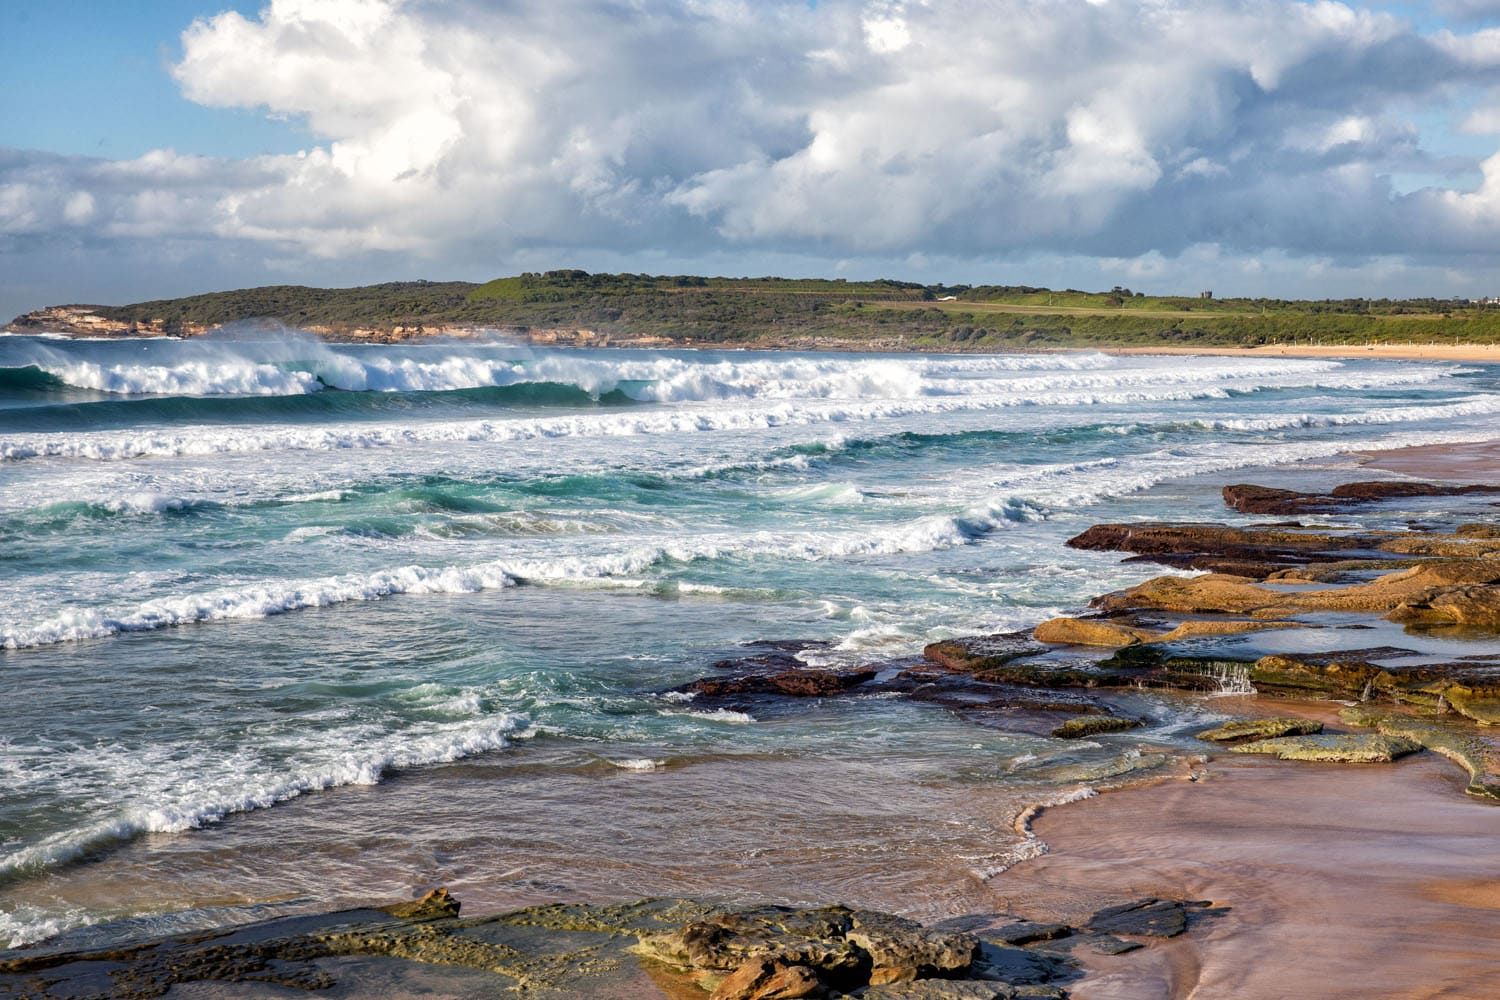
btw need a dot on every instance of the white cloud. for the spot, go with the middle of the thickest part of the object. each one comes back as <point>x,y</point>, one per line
<point>930,129</point>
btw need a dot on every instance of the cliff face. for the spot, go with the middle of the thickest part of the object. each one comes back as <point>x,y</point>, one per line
<point>85,321</point>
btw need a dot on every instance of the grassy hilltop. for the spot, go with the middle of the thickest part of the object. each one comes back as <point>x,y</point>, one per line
<point>805,312</point>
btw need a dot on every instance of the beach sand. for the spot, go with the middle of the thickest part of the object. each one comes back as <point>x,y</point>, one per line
<point>1341,881</point>
<point>1483,353</point>
<point>1467,463</point>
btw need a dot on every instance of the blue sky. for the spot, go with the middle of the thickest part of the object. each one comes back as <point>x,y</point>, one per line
<point>1255,146</point>
<point>93,78</point>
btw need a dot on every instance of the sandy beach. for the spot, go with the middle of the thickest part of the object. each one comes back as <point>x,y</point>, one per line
<point>1373,880</point>
<point>1479,353</point>
<point>1356,878</point>
<point>1473,462</point>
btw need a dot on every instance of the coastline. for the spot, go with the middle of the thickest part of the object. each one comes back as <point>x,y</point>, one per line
<point>1365,873</point>
<point>1480,353</point>
<point>1251,837</point>
<point>568,337</point>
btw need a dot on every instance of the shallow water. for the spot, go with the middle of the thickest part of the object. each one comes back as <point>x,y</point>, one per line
<point>236,572</point>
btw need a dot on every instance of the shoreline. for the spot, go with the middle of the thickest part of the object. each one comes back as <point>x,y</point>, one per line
<point>1475,353</point>
<point>1480,353</point>
<point>1254,836</point>
<point>1366,873</point>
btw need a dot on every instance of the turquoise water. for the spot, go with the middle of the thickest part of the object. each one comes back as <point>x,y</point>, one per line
<point>236,572</point>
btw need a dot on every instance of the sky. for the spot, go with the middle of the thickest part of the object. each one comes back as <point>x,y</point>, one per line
<point>1274,147</point>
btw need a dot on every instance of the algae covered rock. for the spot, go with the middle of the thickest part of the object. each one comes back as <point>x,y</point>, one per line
<point>434,905</point>
<point>799,683</point>
<point>1361,748</point>
<point>1243,730</point>
<point>978,653</point>
<point>1093,725</point>
<point>1475,752</point>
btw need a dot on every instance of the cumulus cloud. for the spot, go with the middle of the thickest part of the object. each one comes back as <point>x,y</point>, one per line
<point>1142,130</point>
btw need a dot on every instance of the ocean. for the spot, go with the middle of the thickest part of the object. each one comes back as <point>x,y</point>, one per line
<point>285,624</point>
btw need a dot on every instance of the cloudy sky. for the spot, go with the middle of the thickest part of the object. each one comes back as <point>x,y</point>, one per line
<point>1249,146</point>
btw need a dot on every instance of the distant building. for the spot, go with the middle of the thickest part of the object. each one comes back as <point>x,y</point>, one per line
<point>1205,295</point>
<point>947,298</point>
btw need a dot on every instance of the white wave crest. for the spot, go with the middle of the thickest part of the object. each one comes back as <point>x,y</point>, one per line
<point>1163,386</point>
<point>172,796</point>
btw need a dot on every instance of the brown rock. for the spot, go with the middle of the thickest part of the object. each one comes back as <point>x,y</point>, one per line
<point>1211,593</point>
<point>901,950</point>
<point>1476,606</point>
<point>1250,499</point>
<point>765,979</point>
<point>435,904</point>
<point>972,654</point>
<point>1091,632</point>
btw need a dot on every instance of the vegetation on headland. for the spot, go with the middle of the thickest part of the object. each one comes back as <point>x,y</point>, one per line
<point>799,312</point>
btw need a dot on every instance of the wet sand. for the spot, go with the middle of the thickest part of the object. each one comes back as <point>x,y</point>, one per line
<point>1476,462</point>
<point>1342,881</point>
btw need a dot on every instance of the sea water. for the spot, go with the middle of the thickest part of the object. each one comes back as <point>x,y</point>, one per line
<point>465,576</point>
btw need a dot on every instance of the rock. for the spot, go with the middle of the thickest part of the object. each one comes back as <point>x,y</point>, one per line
<point>961,989</point>
<point>1184,539</point>
<point>801,683</point>
<point>764,979</point>
<point>772,654</point>
<point>1468,688</point>
<point>1250,499</point>
<point>554,951</point>
<point>1145,917</point>
<point>975,654</point>
<point>1213,593</point>
<point>1092,725</point>
<point>1371,748</point>
<point>901,949</point>
<point>1476,606</point>
<point>435,904</point>
<point>1476,753</point>
<point>1091,632</point>
<point>844,948</point>
<point>1260,729</point>
<point>1029,931</point>
<point>1106,944</point>
<point>1205,629</point>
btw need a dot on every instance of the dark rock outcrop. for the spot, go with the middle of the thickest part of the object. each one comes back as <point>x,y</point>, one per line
<point>1145,917</point>
<point>1250,499</point>
<point>803,683</point>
